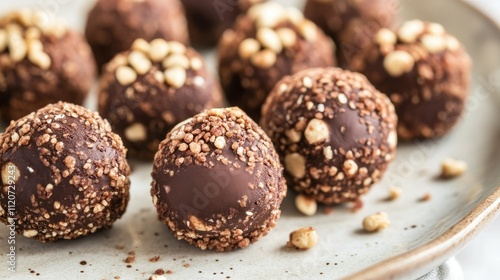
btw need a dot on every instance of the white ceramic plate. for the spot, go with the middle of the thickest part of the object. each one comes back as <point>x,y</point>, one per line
<point>422,235</point>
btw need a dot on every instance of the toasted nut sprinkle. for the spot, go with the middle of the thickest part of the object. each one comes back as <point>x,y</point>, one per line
<point>159,49</point>
<point>141,45</point>
<point>125,75</point>
<point>451,168</point>
<point>136,132</point>
<point>410,31</point>
<point>176,47</point>
<point>294,15</point>
<point>175,77</point>
<point>248,48</point>
<point>293,135</point>
<point>157,277</point>
<point>452,43</point>
<point>287,36</point>
<point>139,62</point>
<point>350,168</point>
<point>436,29</point>
<point>316,131</point>
<point>196,63</point>
<point>304,238</point>
<point>30,233</point>
<point>398,62</point>
<point>433,43</point>
<point>385,37</point>
<point>392,139</point>
<point>269,39</point>
<point>176,60</point>
<point>40,59</point>
<point>7,176</point>
<point>308,30</point>
<point>220,142</point>
<point>394,193</point>
<point>264,59</point>
<point>17,47</point>
<point>376,222</point>
<point>295,164</point>
<point>306,205</point>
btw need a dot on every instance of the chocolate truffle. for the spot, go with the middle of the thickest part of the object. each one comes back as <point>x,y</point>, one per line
<point>66,171</point>
<point>41,62</point>
<point>113,25</point>
<point>207,19</point>
<point>350,23</point>
<point>217,181</point>
<point>146,91</point>
<point>266,44</point>
<point>426,73</point>
<point>335,133</point>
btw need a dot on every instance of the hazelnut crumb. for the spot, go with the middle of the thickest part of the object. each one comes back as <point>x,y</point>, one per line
<point>303,238</point>
<point>394,193</point>
<point>306,205</point>
<point>451,168</point>
<point>154,259</point>
<point>376,222</point>
<point>157,277</point>
<point>426,197</point>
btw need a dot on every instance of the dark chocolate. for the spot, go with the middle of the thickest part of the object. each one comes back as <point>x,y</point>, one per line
<point>217,181</point>
<point>113,25</point>
<point>68,172</point>
<point>335,133</point>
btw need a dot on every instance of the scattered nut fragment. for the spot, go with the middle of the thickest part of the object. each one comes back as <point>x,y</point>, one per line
<point>385,37</point>
<point>376,222</point>
<point>269,39</point>
<point>179,60</point>
<point>264,59</point>
<point>433,43</point>
<point>30,233</point>
<point>451,168</point>
<point>136,132</point>
<point>175,76</point>
<point>316,131</point>
<point>398,62</point>
<point>140,62</point>
<point>248,48</point>
<point>220,142</point>
<point>159,49</point>
<point>394,193</point>
<point>306,205</point>
<point>176,47</point>
<point>125,75</point>
<point>308,30</point>
<point>410,31</point>
<point>287,36</point>
<point>141,45</point>
<point>304,238</point>
<point>295,164</point>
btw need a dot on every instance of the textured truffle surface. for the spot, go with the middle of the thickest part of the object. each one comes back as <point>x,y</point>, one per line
<point>68,173</point>
<point>217,181</point>
<point>426,73</point>
<point>41,62</point>
<point>266,44</point>
<point>351,23</point>
<point>335,133</point>
<point>147,90</point>
<point>207,19</point>
<point>113,25</point>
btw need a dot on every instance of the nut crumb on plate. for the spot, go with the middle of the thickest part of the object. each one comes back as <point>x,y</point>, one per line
<point>303,238</point>
<point>376,222</point>
<point>451,168</point>
<point>306,205</point>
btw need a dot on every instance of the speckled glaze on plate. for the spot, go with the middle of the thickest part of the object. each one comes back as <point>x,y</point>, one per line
<point>422,235</point>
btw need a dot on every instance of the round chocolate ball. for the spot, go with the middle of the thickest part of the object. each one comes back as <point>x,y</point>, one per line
<point>41,62</point>
<point>207,19</point>
<point>266,44</point>
<point>335,133</point>
<point>217,181</point>
<point>113,25</point>
<point>351,24</point>
<point>146,91</point>
<point>66,172</point>
<point>426,73</point>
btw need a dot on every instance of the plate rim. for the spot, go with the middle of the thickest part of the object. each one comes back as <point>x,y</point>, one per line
<point>452,240</point>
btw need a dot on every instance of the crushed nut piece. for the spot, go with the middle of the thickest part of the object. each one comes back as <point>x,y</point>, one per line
<point>376,222</point>
<point>306,205</point>
<point>394,193</point>
<point>398,62</point>
<point>304,238</point>
<point>451,168</point>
